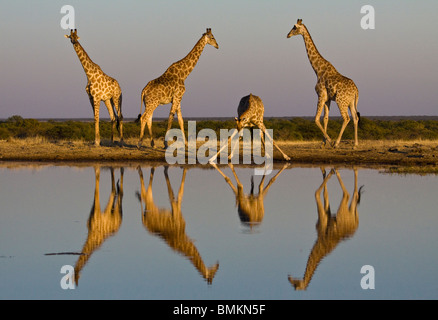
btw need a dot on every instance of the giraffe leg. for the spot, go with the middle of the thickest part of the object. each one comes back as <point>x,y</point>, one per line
<point>176,108</point>
<point>117,106</point>
<point>322,99</point>
<point>345,198</point>
<point>235,145</point>
<point>142,126</point>
<point>170,121</point>
<point>96,189</point>
<point>96,123</point>
<point>223,147</point>
<point>142,194</point>
<point>91,98</point>
<point>181,124</point>
<point>112,117</point>
<point>146,119</point>
<point>356,195</point>
<point>262,137</point>
<point>120,184</point>
<point>263,128</point>
<point>345,116</point>
<point>261,184</point>
<point>326,118</point>
<point>356,141</point>
<point>323,209</point>
<point>355,122</point>
<point>111,199</point>
<point>149,125</point>
<point>95,106</point>
<point>270,183</point>
<point>169,186</point>
<point>238,183</point>
<point>181,186</point>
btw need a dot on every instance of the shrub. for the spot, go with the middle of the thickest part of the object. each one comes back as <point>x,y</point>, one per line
<point>4,133</point>
<point>294,129</point>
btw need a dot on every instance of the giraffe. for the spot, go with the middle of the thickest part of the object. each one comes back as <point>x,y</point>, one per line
<point>170,88</point>
<point>169,224</point>
<point>100,87</point>
<point>250,114</point>
<point>250,207</point>
<point>101,224</point>
<point>331,229</point>
<point>330,86</point>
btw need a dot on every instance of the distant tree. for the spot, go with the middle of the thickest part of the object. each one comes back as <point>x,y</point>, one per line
<point>16,120</point>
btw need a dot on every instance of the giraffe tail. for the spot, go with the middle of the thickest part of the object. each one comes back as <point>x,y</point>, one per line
<point>141,107</point>
<point>356,99</point>
<point>119,118</point>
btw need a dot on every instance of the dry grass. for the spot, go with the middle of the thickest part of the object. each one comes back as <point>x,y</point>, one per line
<point>408,155</point>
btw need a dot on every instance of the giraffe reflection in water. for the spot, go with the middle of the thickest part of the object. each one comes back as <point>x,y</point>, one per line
<point>250,206</point>
<point>169,224</point>
<point>331,229</point>
<point>101,224</point>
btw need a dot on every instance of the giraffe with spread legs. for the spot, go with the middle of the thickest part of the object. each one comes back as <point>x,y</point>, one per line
<point>170,88</point>
<point>100,87</point>
<point>169,224</point>
<point>250,114</point>
<point>101,224</point>
<point>330,86</point>
<point>250,207</point>
<point>331,229</point>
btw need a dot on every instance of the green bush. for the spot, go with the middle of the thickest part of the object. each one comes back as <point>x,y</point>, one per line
<point>4,133</point>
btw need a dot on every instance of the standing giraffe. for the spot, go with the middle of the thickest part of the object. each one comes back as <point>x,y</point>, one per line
<point>250,113</point>
<point>330,85</point>
<point>100,87</point>
<point>331,229</point>
<point>169,88</point>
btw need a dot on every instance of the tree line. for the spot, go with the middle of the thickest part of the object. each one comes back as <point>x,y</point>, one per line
<point>293,129</point>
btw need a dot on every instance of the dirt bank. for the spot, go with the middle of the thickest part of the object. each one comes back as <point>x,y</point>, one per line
<point>403,154</point>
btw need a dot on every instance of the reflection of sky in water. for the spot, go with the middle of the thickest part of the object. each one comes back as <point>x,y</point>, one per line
<point>46,210</point>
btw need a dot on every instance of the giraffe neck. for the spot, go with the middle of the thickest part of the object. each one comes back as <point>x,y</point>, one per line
<point>185,66</point>
<point>319,64</point>
<point>89,66</point>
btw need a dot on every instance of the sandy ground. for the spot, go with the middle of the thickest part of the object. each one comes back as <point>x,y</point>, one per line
<point>421,156</point>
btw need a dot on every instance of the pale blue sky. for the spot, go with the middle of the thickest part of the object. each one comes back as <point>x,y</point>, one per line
<point>394,66</point>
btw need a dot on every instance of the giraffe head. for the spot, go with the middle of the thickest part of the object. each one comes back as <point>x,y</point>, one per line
<point>242,122</point>
<point>210,38</point>
<point>73,36</point>
<point>297,29</point>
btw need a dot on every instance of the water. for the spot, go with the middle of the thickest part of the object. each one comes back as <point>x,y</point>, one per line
<point>201,242</point>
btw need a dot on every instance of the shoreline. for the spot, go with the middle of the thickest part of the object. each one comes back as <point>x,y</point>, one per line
<point>415,156</point>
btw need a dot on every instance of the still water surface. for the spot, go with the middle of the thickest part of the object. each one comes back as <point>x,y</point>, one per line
<point>203,233</point>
